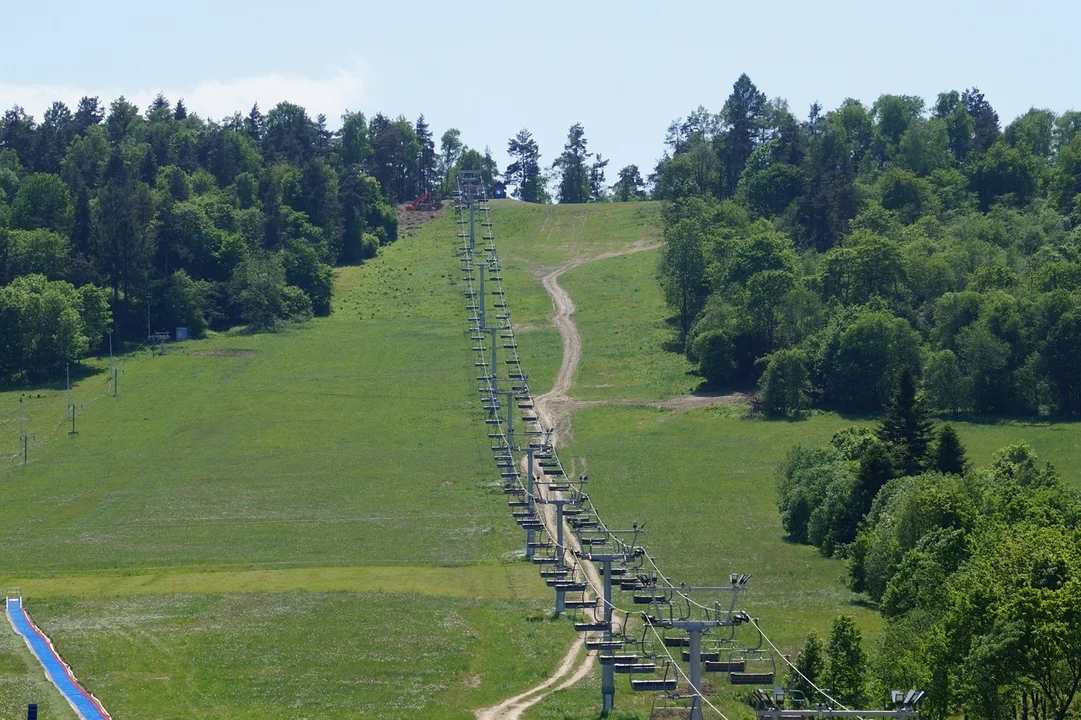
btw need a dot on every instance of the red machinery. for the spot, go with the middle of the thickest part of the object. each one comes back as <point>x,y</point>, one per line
<point>423,202</point>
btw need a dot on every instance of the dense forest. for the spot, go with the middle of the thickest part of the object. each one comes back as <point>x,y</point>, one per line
<point>112,219</point>
<point>820,258</point>
<point>976,571</point>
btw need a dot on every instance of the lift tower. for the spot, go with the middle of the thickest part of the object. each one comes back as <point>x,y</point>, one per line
<point>618,552</point>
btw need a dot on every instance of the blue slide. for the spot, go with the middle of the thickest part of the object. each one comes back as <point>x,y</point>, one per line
<point>85,704</point>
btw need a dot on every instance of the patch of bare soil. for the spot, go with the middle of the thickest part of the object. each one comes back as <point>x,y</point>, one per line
<point>410,220</point>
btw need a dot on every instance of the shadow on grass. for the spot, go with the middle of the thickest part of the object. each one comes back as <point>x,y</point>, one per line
<point>1004,419</point>
<point>58,382</point>
<point>862,601</point>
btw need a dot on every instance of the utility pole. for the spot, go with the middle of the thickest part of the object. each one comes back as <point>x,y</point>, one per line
<point>22,432</point>
<point>67,370</point>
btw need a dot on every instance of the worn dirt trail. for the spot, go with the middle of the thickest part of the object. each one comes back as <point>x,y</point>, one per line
<point>554,409</point>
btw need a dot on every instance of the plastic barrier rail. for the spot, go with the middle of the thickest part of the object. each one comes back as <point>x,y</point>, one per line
<point>86,706</point>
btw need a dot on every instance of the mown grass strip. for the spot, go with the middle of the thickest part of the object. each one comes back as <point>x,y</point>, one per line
<point>499,582</point>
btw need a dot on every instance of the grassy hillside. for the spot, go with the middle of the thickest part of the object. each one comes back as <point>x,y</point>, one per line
<point>268,525</point>
<point>259,520</point>
<point>703,479</point>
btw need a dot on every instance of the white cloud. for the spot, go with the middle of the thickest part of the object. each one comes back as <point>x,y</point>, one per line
<point>214,99</point>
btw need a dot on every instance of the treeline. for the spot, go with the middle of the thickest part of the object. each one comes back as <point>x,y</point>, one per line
<point>193,222</point>
<point>977,571</point>
<point>577,173</point>
<point>820,258</point>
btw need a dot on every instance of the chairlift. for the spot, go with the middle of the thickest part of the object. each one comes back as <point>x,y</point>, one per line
<point>671,706</point>
<point>667,682</point>
<point>554,574</point>
<point>583,604</point>
<point>621,659</point>
<point>760,675</point>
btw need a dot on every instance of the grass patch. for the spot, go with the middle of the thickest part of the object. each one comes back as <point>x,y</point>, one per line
<point>301,654</point>
<point>505,582</point>
<point>210,543</point>
<point>623,321</point>
<point>353,440</point>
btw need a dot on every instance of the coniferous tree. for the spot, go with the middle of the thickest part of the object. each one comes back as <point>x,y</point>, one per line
<point>743,115</point>
<point>524,172</point>
<point>55,134</point>
<point>322,135</point>
<point>87,114</point>
<point>491,168</point>
<point>949,453</point>
<point>985,130</point>
<point>597,191</point>
<point>18,133</point>
<point>810,664</point>
<point>907,427</point>
<point>180,111</point>
<point>426,159</point>
<point>845,671</point>
<point>121,119</point>
<point>254,123</point>
<point>158,109</point>
<point>574,180</point>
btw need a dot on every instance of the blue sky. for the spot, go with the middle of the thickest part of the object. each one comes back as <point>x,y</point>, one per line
<point>623,69</point>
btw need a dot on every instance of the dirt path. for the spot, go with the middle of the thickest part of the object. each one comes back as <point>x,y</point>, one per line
<point>512,708</point>
<point>554,408</point>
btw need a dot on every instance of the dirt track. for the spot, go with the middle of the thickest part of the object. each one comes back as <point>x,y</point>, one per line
<point>554,408</point>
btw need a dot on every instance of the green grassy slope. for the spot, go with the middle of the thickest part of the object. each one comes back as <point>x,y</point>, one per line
<point>703,479</point>
<point>267,522</point>
<point>225,521</point>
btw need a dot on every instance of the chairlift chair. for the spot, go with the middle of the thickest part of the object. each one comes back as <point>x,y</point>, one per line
<point>667,682</point>
<point>758,676</point>
<point>671,706</point>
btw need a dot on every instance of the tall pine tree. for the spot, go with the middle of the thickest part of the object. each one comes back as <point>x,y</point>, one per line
<point>907,427</point>
<point>524,172</point>
<point>426,158</point>
<point>574,180</point>
<point>949,454</point>
<point>743,114</point>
